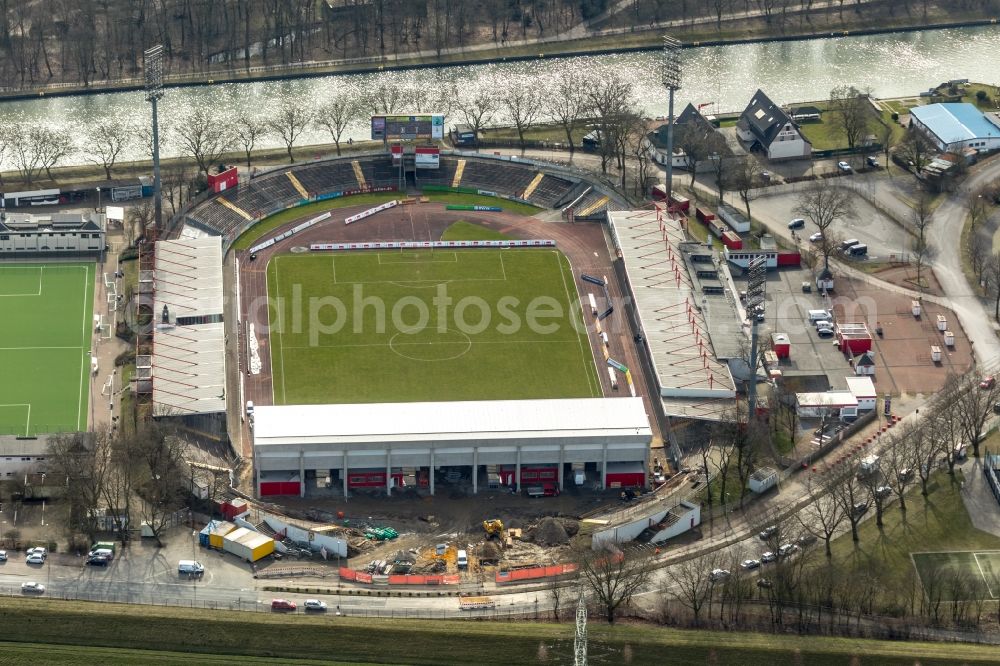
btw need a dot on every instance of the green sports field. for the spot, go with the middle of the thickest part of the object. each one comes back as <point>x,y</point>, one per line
<point>441,325</point>
<point>46,310</point>
<point>952,576</point>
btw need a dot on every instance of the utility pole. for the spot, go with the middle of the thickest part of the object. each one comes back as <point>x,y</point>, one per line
<point>153,68</point>
<point>671,73</point>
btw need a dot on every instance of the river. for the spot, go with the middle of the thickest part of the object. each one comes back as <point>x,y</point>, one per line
<point>891,65</point>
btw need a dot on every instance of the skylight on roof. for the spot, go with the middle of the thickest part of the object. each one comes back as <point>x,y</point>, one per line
<point>759,114</point>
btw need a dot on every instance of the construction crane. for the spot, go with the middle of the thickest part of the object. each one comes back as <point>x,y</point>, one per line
<point>493,528</point>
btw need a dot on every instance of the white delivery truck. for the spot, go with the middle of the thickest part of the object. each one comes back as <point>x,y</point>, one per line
<point>593,304</point>
<point>614,378</point>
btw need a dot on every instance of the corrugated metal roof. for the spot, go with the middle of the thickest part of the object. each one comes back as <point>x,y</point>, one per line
<point>953,123</point>
<point>499,419</point>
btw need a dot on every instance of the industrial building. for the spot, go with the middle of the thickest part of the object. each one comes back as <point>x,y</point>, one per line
<point>373,445</point>
<point>954,127</point>
<point>25,234</point>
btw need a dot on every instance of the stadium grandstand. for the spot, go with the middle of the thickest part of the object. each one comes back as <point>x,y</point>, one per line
<point>231,212</point>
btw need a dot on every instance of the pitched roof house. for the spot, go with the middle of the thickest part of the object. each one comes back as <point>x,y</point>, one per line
<point>689,119</point>
<point>764,127</point>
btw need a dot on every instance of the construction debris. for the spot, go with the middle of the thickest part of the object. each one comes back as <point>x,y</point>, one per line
<point>551,532</point>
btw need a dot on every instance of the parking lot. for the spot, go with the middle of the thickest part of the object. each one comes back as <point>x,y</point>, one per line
<point>885,239</point>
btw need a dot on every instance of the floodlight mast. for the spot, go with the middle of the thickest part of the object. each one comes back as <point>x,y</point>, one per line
<point>153,68</point>
<point>671,78</point>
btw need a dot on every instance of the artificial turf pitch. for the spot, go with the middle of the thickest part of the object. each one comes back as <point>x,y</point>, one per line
<point>371,327</point>
<point>46,312</point>
<point>979,570</point>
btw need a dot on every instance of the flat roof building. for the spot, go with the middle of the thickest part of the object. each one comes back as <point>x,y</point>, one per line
<point>298,441</point>
<point>954,127</point>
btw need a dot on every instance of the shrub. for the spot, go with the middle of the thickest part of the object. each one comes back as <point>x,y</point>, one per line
<point>981,95</point>
<point>895,116</point>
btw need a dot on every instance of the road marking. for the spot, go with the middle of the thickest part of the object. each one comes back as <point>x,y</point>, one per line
<point>569,313</point>
<point>85,369</point>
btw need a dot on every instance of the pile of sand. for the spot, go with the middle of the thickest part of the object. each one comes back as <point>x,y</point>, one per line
<point>550,532</point>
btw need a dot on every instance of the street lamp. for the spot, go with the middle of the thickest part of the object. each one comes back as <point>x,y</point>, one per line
<point>153,69</point>
<point>98,200</point>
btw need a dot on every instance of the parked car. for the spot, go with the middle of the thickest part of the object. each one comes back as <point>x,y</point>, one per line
<point>314,605</point>
<point>844,167</point>
<point>98,560</point>
<point>765,583</point>
<point>787,549</point>
<point>996,407</point>
<point>860,509</point>
<point>282,605</point>
<point>883,491</point>
<point>768,557</point>
<point>872,161</point>
<point>750,564</point>
<point>3,555</point>
<point>767,532</point>
<point>38,550</point>
<point>905,474</point>
<point>816,237</point>
<point>797,223</point>
<point>718,574</point>
<point>824,332</point>
<point>823,323</point>
<point>35,558</point>
<point>989,381</point>
<point>807,539</point>
<point>31,587</point>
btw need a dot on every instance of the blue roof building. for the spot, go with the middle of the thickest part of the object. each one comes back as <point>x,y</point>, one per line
<point>953,127</point>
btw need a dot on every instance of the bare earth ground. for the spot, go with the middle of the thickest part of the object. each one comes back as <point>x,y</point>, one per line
<point>906,276</point>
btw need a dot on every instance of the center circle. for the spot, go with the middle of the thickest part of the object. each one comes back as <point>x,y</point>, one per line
<point>429,344</point>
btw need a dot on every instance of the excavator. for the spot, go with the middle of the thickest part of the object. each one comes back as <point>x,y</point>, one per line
<point>493,528</point>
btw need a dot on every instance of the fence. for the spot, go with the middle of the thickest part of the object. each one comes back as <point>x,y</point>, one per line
<point>991,465</point>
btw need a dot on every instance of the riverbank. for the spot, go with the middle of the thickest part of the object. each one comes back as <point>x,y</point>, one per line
<point>743,31</point>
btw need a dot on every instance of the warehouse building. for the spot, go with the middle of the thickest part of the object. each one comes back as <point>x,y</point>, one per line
<point>354,446</point>
<point>954,127</point>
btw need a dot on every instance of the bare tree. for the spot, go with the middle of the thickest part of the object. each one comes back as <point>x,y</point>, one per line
<point>823,205</point>
<point>610,100</point>
<point>290,122</point>
<point>698,145</point>
<point>915,149</point>
<point>851,114</point>
<point>106,141</point>
<point>887,137</point>
<point>478,110</point>
<point>567,104</point>
<point>385,97</point>
<point>24,153</point>
<point>992,274</point>
<point>247,131</point>
<point>925,453</point>
<point>824,514</point>
<point>53,144</point>
<point>745,175</point>
<point>523,103</point>
<point>160,457</point>
<point>978,203</point>
<point>612,577</point>
<point>336,115</point>
<point>78,462</point>
<point>974,406</point>
<point>921,216</point>
<point>203,138</point>
<point>692,584</point>
<point>851,493</point>
<point>899,461</point>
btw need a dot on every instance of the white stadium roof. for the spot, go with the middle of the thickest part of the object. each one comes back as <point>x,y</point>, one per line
<point>450,421</point>
<point>189,352</point>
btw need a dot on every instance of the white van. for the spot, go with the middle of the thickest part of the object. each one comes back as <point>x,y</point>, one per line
<point>462,560</point>
<point>819,315</point>
<point>190,568</point>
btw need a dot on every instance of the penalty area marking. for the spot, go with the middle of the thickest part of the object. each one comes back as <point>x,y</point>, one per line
<point>41,271</point>
<point>27,423</point>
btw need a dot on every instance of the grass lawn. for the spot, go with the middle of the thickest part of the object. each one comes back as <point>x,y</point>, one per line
<point>53,630</point>
<point>538,133</point>
<point>427,325</point>
<point>823,135</point>
<point>466,231</point>
<point>901,106</point>
<point>47,314</point>
<point>940,523</point>
<point>461,199</point>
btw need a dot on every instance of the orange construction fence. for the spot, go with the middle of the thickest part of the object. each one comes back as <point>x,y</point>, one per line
<point>534,573</point>
<point>361,577</point>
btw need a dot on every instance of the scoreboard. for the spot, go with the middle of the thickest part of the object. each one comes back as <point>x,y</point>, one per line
<point>418,126</point>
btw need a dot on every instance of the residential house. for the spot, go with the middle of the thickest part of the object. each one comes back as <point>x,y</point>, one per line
<point>765,128</point>
<point>690,119</point>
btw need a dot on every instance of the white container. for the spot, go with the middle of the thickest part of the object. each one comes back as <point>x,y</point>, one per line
<point>949,339</point>
<point>915,308</point>
<point>935,353</point>
<point>942,323</point>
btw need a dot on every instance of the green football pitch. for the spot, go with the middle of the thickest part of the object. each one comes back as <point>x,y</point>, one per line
<point>46,310</point>
<point>429,325</point>
<point>951,576</point>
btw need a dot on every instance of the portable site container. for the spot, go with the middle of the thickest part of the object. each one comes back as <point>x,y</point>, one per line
<point>593,304</point>
<point>915,308</point>
<point>935,353</point>
<point>949,339</point>
<point>942,323</point>
<point>212,534</point>
<point>613,377</point>
<point>247,544</point>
